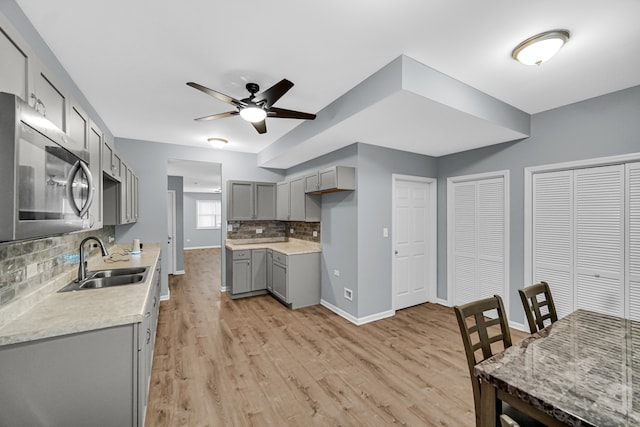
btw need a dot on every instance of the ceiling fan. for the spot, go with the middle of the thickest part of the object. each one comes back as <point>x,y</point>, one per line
<point>255,108</point>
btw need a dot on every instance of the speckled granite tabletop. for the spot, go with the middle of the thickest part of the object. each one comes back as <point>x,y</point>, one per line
<point>55,314</point>
<point>289,247</point>
<point>584,370</point>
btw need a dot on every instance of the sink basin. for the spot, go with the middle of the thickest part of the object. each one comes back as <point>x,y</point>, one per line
<point>114,272</point>
<point>107,278</point>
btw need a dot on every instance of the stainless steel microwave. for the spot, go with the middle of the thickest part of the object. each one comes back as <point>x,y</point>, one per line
<point>46,187</point>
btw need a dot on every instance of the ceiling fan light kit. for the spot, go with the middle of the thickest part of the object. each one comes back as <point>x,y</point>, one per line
<point>255,108</point>
<point>541,47</point>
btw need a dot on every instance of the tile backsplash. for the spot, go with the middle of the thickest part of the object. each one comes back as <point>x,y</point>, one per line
<point>28,264</point>
<point>274,229</point>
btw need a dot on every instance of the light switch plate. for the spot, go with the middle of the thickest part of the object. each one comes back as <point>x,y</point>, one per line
<point>258,230</point>
<point>385,232</point>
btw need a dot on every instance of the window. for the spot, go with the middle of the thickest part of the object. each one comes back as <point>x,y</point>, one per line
<point>209,214</point>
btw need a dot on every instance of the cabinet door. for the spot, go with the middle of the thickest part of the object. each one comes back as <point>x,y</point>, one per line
<point>78,127</point>
<point>13,73</point>
<point>51,101</point>
<point>258,269</point>
<point>265,202</point>
<point>241,276</point>
<point>269,269</point>
<point>240,200</point>
<point>95,165</point>
<point>328,179</point>
<point>311,183</point>
<point>283,201</point>
<point>280,281</point>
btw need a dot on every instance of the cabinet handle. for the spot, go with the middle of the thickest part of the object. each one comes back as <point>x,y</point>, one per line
<point>148,335</point>
<point>148,314</point>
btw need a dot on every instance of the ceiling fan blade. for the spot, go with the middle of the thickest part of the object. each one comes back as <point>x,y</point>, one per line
<point>275,92</point>
<point>261,127</point>
<point>221,96</point>
<point>218,116</point>
<point>289,114</point>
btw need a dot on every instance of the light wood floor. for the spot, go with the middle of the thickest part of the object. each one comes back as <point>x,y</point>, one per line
<point>253,362</point>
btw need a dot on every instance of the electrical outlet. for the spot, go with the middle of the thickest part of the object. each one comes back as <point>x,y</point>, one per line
<point>111,239</point>
<point>291,231</point>
<point>336,272</point>
<point>258,230</point>
<point>229,227</point>
<point>315,234</point>
<point>348,294</point>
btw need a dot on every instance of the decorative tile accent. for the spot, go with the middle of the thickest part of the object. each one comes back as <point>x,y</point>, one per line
<point>52,256</point>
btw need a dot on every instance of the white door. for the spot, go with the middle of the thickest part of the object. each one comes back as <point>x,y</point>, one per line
<point>171,231</point>
<point>414,235</point>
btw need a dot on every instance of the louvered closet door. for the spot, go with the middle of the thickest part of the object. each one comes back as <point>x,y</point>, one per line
<point>479,239</point>
<point>553,236</point>
<point>465,271</point>
<point>599,239</point>
<point>491,237</point>
<point>633,239</point>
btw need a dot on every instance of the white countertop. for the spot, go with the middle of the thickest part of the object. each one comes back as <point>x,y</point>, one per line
<point>71,312</point>
<point>290,247</point>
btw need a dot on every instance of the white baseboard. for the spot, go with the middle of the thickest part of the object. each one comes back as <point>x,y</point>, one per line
<point>442,302</point>
<point>223,289</point>
<point>519,326</point>
<point>357,320</point>
<point>166,297</point>
<point>201,247</point>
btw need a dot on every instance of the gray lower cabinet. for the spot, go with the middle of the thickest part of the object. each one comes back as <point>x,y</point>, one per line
<point>269,270</point>
<point>246,271</point>
<point>95,378</point>
<point>296,279</point>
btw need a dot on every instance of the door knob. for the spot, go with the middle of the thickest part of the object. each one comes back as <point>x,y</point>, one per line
<point>396,252</point>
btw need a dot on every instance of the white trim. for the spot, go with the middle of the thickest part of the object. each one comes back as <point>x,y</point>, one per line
<point>178,273</point>
<point>223,289</point>
<point>432,233</point>
<point>528,195</point>
<point>357,320</point>
<point>172,252</point>
<point>166,297</point>
<point>505,174</point>
<point>201,247</point>
<point>519,326</point>
<point>442,302</point>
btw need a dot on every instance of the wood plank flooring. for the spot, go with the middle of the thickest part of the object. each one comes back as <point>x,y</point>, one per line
<point>253,362</point>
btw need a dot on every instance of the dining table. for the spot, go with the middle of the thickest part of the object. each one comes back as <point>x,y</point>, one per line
<point>583,370</point>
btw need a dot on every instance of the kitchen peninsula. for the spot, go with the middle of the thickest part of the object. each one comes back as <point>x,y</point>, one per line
<point>288,269</point>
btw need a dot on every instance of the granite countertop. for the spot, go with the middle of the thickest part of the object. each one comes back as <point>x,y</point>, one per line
<point>288,247</point>
<point>70,312</point>
<point>583,370</point>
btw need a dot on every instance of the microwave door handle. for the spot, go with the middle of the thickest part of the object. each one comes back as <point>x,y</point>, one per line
<point>75,169</point>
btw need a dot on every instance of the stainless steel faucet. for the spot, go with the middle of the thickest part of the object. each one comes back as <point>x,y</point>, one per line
<point>82,268</point>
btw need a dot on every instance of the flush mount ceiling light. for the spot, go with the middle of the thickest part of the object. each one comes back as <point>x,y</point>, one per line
<point>540,48</point>
<point>253,114</point>
<point>217,142</point>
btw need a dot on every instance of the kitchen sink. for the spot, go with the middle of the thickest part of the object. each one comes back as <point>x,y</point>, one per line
<point>107,278</point>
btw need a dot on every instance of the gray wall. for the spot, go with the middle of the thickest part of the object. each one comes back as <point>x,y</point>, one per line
<point>194,238</point>
<point>604,126</point>
<point>352,225</point>
<point>176,183</point>
<point>149,160</point>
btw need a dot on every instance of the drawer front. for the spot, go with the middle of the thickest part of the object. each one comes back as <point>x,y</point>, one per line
<point>279,258</point>
<point>243,254</point>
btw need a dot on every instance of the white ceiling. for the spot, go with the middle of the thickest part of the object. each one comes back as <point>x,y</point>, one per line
<point>198,177</point>
<point>132,60</point>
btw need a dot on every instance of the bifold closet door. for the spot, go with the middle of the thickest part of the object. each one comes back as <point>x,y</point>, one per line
<point>633,238</point>
<point>599,239</point>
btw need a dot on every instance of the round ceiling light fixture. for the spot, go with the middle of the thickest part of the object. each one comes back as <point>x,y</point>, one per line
<point>253,114</point>
<point>541,47</point>
<point>217,142</point>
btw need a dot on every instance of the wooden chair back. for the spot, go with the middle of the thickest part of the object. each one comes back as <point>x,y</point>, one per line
<point>482,336</point>
<point>538,305</point>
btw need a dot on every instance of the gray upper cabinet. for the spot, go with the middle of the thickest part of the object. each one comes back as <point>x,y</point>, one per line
<point>251,200</point>
<point>49,97</point>
<point>111,162</point>
<point>78,127</point>
<point>283,201</point>
<point>294,204</point>
<point>303,206</point>
<point>14,69</point>
<point>95,165</point>
<point>335,178</point>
